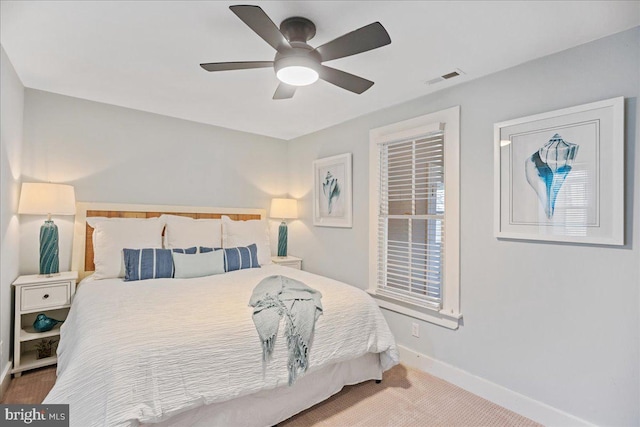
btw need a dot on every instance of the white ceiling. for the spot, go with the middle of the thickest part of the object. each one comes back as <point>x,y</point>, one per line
<point>145,54</point>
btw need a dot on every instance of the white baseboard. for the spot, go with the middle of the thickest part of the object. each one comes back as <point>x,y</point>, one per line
<point>516,402</point>
<point>5,379</point>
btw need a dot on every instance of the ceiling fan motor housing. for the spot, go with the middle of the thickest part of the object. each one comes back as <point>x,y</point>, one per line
<point>298,29</point>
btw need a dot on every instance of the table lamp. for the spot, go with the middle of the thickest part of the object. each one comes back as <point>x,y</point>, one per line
<point>47,199</point>
<point>283,209</point>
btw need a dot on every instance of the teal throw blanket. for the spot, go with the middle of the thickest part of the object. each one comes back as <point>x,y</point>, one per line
<point>280,296</point>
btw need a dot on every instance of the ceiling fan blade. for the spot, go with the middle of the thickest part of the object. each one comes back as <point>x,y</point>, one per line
<point>344,80</point>
<point>224,66</point>
<point>284,91</point>
<point>261,24</point>
<point>369,37</point>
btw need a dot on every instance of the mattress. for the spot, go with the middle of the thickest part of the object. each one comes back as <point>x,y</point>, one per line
<point>144,352</point>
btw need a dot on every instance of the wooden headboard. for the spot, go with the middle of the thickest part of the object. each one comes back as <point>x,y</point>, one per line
<point>82,257</point>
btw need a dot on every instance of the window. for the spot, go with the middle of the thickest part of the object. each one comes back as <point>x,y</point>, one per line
<point>414,230</point>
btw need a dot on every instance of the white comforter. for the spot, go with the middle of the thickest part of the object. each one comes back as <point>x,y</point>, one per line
<point>144,351</point>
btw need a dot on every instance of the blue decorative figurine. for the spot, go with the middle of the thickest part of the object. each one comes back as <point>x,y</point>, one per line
<point>44,323</point>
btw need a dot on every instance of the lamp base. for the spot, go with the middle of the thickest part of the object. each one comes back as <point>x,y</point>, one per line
<point>48,275</point>
<point>49,262</point>
<point>282,239</point>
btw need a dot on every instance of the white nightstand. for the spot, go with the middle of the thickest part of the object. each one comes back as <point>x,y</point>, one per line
<point>36,294</point>
<point>288,261</point>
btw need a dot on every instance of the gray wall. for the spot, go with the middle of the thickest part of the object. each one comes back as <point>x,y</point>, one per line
<point>558,323</point>
<point>11,120</point>
<point>119,155</point>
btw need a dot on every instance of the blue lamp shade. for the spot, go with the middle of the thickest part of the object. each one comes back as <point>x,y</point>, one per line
<point>47,199</point>
<point>284,209</point>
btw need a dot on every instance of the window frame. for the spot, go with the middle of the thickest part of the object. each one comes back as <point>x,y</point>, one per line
<point>449,314</point>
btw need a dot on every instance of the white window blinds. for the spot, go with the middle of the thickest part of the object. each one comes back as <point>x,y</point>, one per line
<point>411,220</point>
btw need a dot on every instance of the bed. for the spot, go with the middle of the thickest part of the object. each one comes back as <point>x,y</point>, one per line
<point>185,352</point>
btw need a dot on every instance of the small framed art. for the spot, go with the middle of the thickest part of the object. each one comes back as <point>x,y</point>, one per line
<point>559,176</point>
<point>332,202</point>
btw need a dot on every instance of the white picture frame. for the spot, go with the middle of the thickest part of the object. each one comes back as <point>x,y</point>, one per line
<point>332,192</point>
<point>559,176</point>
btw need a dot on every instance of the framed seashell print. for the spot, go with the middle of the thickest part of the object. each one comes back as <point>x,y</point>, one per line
<point>559,176</point>
<point>332,194</point>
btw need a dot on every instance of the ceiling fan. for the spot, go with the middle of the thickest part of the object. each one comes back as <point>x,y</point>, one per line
<point>298,64</point>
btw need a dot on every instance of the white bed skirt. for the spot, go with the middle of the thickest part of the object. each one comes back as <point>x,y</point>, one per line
<point>269,407</point>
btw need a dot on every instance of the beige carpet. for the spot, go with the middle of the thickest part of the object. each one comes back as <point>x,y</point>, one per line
<point>31,387</point>
<point>406,397</point>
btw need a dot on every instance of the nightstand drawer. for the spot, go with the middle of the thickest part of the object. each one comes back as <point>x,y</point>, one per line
<point>292,264</point>
<point>41,297</point>
<point>288,261</point>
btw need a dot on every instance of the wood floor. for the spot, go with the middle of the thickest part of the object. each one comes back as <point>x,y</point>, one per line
<point>406,397</point>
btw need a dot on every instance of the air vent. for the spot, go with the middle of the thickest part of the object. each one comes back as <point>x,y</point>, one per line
<point>451,75</point>
<point>455,73</point>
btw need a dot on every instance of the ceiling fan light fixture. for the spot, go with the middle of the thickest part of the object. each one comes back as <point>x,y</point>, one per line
<point>297,75</point>
<point>297,70</point>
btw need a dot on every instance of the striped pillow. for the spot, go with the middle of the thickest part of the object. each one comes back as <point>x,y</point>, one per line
<point>238,258</point>
<point>150,263</point>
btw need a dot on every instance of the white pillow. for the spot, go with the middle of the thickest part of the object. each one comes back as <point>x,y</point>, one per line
<point>112,235</point>
<point>244,233</point>
<point>198,265</point>
<point>185,232</point>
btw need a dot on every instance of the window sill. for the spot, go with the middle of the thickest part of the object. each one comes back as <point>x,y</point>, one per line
<point>447,320</point>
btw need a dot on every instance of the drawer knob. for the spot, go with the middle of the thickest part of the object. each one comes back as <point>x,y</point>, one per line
<point>45,296</point>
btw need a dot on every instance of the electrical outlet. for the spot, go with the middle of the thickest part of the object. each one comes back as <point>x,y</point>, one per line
<point>415,330</point>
